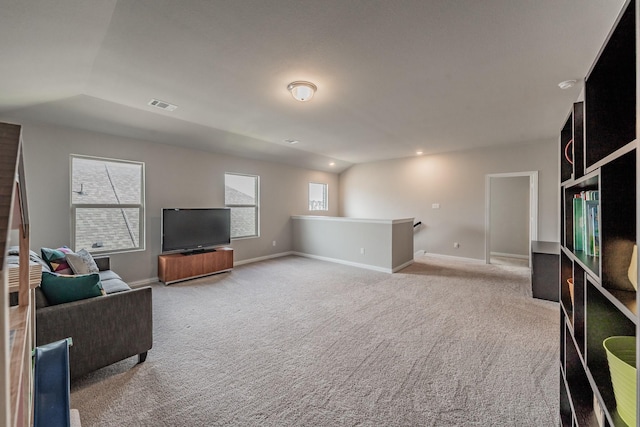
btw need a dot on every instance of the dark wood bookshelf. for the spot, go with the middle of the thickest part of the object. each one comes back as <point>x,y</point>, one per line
<point>578,387</point>
<point>572,145</point>
<point>603,158</point>
<point>588,262</point>
<point>579,305</point>
<point>566,150</point>
<point>566,414</point>
<point>603,320</point>
<point>610,92</point>
<point>566,273</point>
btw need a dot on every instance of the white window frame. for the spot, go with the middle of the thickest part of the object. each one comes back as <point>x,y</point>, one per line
<point>140,206</point>
<point>256,206</point>
<point>326,197</point>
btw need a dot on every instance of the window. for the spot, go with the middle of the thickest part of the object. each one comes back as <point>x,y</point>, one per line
<point>107,204</point>
<point>318,197</point>
<point>241,195</point>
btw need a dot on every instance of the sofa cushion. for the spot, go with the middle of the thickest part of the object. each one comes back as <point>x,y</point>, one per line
<point>108,275</point>
<point>112,283</point>
<point>81,262</point>
<point>14,258</point>
<point>60,289</point>
<point>56,259</point>
<point>112,286</point>
<point>15,250</point>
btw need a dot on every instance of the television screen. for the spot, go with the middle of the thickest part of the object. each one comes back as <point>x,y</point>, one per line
<point>193,229</point>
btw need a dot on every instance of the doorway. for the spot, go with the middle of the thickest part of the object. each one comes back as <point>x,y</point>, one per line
<point>511,217</point>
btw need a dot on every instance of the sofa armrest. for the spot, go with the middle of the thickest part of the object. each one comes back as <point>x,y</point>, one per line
<point>103,263</point>
<point>104,329</point>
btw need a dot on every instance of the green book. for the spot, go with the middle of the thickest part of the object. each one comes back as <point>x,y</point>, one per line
<point>578,224</point>
<point>592,244</point>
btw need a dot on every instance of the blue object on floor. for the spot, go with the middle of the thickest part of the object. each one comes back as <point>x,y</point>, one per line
<point>51,399</point>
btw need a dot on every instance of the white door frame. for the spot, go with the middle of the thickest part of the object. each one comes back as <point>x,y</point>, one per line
<point>533,208</point>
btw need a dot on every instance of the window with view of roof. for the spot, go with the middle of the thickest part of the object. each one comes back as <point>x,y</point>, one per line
<point>241,195</point>
<point>107,204</point>
<point>318,197</point>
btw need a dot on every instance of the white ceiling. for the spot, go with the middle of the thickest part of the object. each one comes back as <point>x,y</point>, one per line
<point>393,76</point>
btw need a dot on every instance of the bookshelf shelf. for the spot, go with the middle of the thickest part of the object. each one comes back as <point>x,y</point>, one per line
<point>588,262</point>
<point>598,180</point>
<point>626,299</point>
<point>618,153</point>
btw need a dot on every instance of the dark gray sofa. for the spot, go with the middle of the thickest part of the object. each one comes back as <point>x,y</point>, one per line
<point>104,329</point>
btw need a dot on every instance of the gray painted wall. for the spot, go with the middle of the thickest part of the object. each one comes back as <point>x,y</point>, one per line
<point>510,215</point>
<point>175,177</point>
<point>402,243</point>
<point>181,177</point>
<point>384,242</point>
<point>408,187</point>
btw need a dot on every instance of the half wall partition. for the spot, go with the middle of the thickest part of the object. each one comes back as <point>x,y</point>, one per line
<point>377,244</point>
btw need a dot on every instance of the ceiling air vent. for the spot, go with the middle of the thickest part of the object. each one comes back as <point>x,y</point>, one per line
<point>162,105</point>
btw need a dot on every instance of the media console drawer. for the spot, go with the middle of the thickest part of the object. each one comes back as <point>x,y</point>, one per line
<point>176,267</point>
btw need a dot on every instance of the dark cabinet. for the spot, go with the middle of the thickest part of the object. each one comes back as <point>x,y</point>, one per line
<point>545,270</point>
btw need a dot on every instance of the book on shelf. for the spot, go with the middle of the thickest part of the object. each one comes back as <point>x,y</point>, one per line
<point>578,224</point>
<point>586,219</point>
<point>592,232</point>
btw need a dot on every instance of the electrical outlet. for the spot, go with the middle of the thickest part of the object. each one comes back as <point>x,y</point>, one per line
<point>435,206</point>
<point>274,243</point>
<point>361,251</point>
<point>456,245</point>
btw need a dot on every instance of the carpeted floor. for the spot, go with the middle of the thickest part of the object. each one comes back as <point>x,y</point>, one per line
<point>300,342</point>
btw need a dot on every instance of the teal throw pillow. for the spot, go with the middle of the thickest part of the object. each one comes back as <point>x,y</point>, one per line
<point>60,289</point>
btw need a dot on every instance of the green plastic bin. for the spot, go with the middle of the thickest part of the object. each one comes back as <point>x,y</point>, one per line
<point>621,356</point>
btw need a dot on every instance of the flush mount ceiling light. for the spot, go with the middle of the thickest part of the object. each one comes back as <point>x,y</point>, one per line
<point>567,84</point>
<point>302,91</point>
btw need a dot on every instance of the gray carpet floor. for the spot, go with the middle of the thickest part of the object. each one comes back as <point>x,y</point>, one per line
<point>300,342</point>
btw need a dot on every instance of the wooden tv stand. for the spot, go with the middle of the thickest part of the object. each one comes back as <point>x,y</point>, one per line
<point>176,267</point>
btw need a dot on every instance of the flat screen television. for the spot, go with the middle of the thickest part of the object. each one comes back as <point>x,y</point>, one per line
<point>195,229</point>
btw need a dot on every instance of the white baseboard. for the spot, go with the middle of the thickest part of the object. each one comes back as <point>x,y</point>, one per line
<point>518,256</point>
<point>457,258</point>
<point>143,282</point>
<point>351,263</point>
<point>400,267</point>
<point>263,258</point>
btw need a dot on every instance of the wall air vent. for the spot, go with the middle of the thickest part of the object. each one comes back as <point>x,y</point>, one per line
<point>162,105</point>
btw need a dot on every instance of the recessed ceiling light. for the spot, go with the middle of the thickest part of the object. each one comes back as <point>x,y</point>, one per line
<point>291,141</point>
<point>162,105</point>
<point>419,153</point>
<point>567,84</point>
<point>332,164</point>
